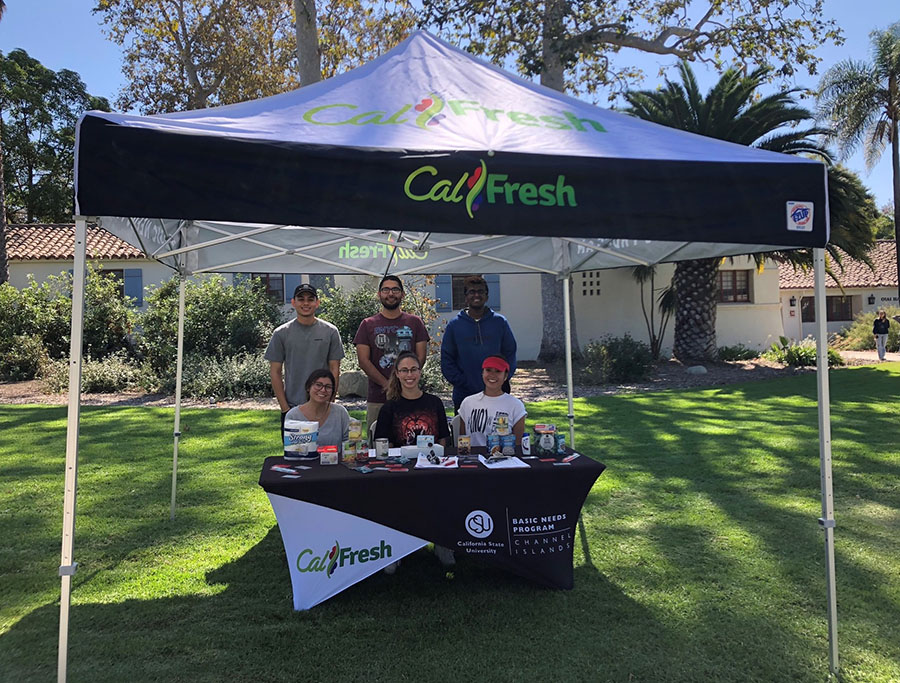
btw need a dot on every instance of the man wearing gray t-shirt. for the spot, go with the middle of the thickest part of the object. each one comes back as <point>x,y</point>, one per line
<point>301,346</point>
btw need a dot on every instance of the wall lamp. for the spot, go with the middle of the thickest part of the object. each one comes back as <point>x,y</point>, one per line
<point>871,299</point>
<point>793,301</point>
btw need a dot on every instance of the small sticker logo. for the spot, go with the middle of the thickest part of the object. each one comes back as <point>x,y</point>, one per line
<point>800,216</point>
<point>479,524</point>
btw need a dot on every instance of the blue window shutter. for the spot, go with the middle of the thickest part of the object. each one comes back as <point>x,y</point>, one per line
<point>443,292</point>
<point>493,283</point>
<point>134,285</point>
<point>291,282</point>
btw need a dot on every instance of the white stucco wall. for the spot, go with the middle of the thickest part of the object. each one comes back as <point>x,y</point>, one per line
<point>153,272</point>
<point>796,329</point>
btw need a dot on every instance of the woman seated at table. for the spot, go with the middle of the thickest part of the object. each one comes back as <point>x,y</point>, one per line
<point>486,411</point>
<point>333,418</point>
<point>410,412</point>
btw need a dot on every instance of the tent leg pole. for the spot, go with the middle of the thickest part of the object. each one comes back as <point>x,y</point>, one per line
<point>178,367</point>
<point>567,319</point>
<point>67,565</point>
<point>827,519</point>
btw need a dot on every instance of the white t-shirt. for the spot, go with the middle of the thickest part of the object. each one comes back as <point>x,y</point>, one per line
<point>480,413</point>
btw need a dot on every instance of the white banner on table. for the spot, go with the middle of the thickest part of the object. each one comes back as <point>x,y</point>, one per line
<point>328,551</point>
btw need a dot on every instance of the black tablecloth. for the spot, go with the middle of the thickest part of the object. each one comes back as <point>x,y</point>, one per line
<point>521,519</point>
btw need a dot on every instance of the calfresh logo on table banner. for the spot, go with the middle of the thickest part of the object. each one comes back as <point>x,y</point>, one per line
<point>430,110</point>
<point>426,184</point>
<point>330,560</point>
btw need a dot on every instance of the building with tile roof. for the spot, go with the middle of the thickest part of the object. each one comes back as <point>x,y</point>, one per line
<point>861,289</point>
<point>37,251</point>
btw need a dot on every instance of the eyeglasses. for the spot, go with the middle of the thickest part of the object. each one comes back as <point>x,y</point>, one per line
<point>391,290</point>
<point>318,386</point>
<point>408,371</point>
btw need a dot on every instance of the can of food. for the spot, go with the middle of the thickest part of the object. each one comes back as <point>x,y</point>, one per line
<point>560,443</point>
<point>464,445</point>
<point>493,444</point>
<point>381,448</point>
<point>354,429</point>
<point>508,444</point>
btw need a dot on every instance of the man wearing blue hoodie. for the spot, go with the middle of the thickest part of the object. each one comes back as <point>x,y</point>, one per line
<point>473,335</point>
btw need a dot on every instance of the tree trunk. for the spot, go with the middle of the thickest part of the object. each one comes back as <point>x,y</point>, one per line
<point>553,338</point>
<point>4,259</point>
<point>895,168</point>
<point>696,290</point>
<point>308,58</point>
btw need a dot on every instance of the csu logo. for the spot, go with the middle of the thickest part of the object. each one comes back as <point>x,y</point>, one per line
<point>479,524</point>
<point>800,216</point>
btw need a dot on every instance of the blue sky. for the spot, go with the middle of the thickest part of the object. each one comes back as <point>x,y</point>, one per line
<point>63,34</point>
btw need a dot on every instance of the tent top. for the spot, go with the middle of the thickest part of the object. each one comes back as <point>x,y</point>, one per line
<point>435,145</point>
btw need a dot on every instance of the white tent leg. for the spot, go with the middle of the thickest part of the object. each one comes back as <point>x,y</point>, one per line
<point>827,519</point>
<point>567,321</point>
<point>178,365</point>
<point>67,565</point>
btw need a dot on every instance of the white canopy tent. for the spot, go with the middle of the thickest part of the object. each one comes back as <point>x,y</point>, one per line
<point>417,163</point>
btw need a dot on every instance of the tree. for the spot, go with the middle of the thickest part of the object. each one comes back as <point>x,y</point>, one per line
<point>572,44</point>
<point>664,303</point>
<point>884,223</point>
<point>4,259</point>
<point>191,54</point>
<point>733,111</point>
<point>862,102</point>
<point>39,109</point>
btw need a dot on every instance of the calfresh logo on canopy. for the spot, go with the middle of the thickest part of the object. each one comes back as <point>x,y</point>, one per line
<point>338,557</point>
<point>430,110</point>
<point>425,184</point>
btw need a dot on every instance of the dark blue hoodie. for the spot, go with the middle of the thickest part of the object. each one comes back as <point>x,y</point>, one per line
<point>467,343</point>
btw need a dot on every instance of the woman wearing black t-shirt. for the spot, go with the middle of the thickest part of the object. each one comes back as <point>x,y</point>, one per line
<point>409,411</point>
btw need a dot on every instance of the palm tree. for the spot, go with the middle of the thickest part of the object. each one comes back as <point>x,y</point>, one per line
<point>732,111</point>
<point>862,102</point>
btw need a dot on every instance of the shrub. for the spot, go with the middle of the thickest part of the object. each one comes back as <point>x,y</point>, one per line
<point>615,359</point>
<point>737,352</point>
<point>347,308</point>
<point>116,372</point>
<point>22,357</point>
<point>799,354</point>
<point>240,376</point>
<point>859,337</point>
<point>220,321</point>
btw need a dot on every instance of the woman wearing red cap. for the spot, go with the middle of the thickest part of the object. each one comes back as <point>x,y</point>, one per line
<point>488,411</point>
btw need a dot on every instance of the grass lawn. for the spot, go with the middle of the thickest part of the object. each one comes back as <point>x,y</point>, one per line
<point>701,558</point>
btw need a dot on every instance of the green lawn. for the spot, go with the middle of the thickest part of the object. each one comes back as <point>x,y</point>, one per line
<point>700,557</point>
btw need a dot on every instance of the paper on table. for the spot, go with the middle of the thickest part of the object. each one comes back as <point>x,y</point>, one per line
<point>446,464</point>
<point>511,462</point>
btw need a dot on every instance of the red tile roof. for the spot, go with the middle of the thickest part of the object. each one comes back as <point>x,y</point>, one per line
<point>854,274</point>
<point>56,242</point>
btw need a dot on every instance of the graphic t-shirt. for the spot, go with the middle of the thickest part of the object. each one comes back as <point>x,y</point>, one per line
<point>386,339</point>
<point>401,421</point>
<point>483,414</point>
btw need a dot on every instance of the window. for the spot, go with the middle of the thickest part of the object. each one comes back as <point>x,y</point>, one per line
<point>118,275</point>
<point>837,308</point>
<point>590,283</point>
<point>448,290</point>
<point>734,286</point>
<point>273,282</point>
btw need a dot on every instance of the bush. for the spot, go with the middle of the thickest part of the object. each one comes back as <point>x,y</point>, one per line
<point>220,321</point>
<point>347,308</point>
<point>240,376</point>
<point>799,354</point>
<point>22,357</point>
<point>737,352</point>
<point>116,372</point>
<point>859,337</point>
<point>615,359</point>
